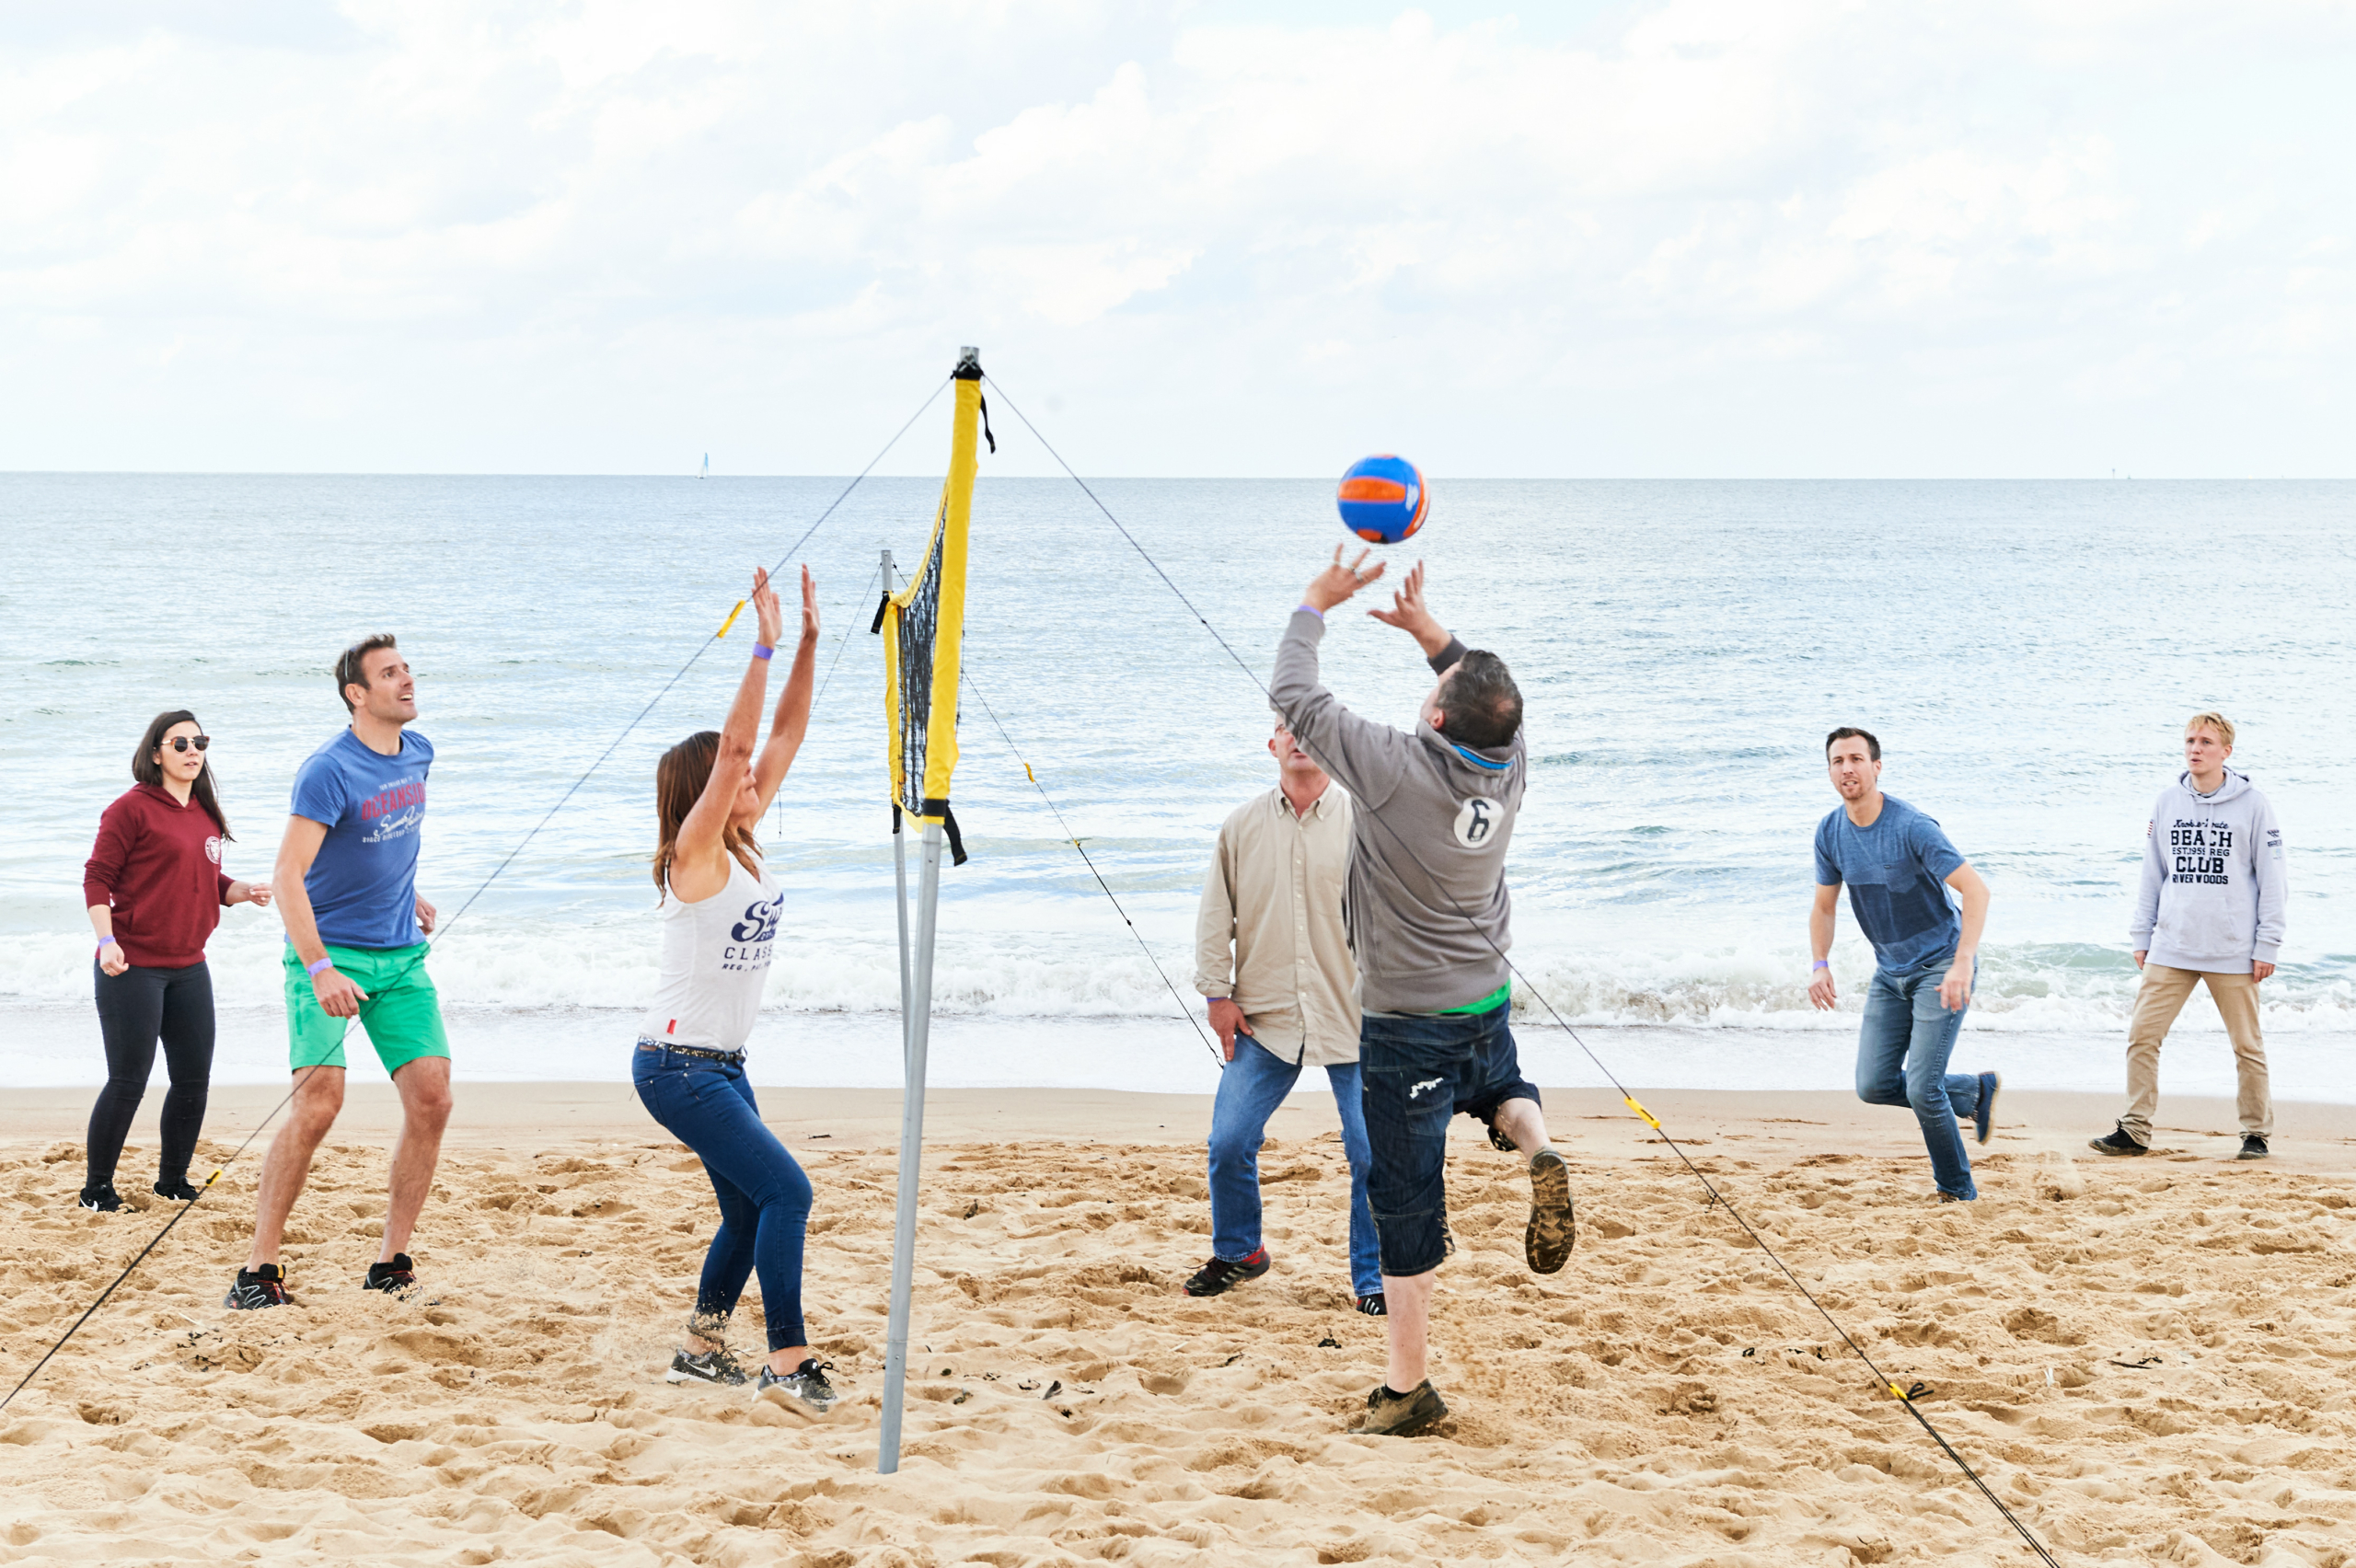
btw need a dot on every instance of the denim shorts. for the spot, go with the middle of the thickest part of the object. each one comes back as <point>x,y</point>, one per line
<point>1416,1075</point>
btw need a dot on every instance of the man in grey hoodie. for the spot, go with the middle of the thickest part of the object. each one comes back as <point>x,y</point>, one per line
<point>2209,911</point>
<point>1430,922</point>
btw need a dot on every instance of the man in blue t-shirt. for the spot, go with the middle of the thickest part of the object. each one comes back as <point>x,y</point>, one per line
<point>346,885</point>
<point>1899,866</point>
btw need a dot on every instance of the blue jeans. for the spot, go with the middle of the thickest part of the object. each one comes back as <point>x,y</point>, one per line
<point>1902,1060</point>
<point>764,1196</point>
<point>1417,1073</point>
<point>1251,1088</point>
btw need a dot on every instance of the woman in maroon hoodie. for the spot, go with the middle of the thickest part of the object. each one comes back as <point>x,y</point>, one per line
<point>155,887</point>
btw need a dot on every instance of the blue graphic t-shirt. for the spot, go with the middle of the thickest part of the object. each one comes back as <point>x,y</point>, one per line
<point>1897,871</point>
<point>363,882</point>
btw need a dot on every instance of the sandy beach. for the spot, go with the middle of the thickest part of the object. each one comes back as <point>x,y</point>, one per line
<point>2149,1360</point>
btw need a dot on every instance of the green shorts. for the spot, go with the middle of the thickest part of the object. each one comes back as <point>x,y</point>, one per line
<point>402,1014</point>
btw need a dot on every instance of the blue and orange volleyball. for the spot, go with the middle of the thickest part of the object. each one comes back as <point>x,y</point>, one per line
<point>1383,499</point>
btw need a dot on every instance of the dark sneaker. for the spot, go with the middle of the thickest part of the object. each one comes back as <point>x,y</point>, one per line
<point>1547,1242</point>
<point>177,1190</point>
<point>392,1278</point>
<point>1374,1305</point>
<point>1221,1274</point>
<point>257,1288</point>
<point>804,1390</point>
<point>1985,1120</point>
<point>2253,1148</point>
<point>2116,1142</point>
<point>1501,1142</point>
<point>1401,1415</point>
<point>713,1367</point>
<point>101,1200</point>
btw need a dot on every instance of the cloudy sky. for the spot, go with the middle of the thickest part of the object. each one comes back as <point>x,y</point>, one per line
<point>1680,238</point>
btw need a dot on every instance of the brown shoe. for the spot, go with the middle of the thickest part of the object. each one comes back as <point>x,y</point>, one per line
<point>1401,1415</point>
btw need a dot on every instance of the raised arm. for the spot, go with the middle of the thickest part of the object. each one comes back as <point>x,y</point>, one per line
<point>697,872</point>
<point>1366,757</point>
<point>792,721</point>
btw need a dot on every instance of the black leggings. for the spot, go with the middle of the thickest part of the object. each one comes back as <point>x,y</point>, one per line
<point>136,1008</point>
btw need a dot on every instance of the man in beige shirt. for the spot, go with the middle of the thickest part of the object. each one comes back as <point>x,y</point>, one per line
<point>1273,958</point>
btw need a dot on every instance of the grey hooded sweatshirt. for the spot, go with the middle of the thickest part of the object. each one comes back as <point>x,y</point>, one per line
<point>1428,914</point>
<point>2214,880</point>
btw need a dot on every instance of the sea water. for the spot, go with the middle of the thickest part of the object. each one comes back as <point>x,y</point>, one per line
<point>2027,653</point>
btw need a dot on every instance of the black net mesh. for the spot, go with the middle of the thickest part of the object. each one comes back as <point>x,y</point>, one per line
<point>918,623</point>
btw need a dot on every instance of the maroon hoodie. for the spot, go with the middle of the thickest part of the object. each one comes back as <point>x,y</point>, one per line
<point>158,863</point>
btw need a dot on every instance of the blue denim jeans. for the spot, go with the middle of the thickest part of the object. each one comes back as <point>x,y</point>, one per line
<point>1417,1073</point>
<point>764,1196</point>
<point>1251,1088</point>
<point>1902,1060</point>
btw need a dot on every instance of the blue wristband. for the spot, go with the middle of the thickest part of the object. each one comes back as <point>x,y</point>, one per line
<point>1821,963</point>
<point>762,651</point>
<point>104,940</point>
<point>313,969</point>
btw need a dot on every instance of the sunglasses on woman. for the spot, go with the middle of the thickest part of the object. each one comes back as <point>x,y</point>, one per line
<point>182,743</point>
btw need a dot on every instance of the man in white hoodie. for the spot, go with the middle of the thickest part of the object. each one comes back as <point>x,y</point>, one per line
<point>2210,910</point>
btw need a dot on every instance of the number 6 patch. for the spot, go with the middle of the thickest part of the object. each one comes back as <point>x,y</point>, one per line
<point>1476,819</point>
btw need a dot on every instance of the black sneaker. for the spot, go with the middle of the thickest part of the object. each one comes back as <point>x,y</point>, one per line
<point>716,1366</point>
<point>1221,1274</point>
<point>2116,1142</point>
<point>101,1200</point>
<point>392,1278</point>
<point>2253,1148</point>
<point>1547,1242</point>
<point>178,1190</point>
<point>804,1390</point>
<point>1501,1142</point>
<point>1984,1120</point>
<point>257,1288</point>
<point>1401,1415</point>
<point>1374,1305</point>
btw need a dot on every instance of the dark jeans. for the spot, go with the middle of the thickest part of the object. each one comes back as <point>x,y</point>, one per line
<point>136,1008</point>
<point>1902,1052</point>
<point>764,1196</point>
<point>1417,1074</point>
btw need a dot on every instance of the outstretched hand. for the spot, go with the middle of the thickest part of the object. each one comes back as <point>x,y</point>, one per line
<point>809,607</point>
<point>766,612</point>
<point>1337,582</point>
<point>1411,615</point>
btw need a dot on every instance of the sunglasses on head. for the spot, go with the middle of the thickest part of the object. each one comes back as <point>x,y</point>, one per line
<point>182,743</point>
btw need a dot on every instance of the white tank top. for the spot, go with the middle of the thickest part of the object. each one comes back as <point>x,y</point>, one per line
<point>715,960</point>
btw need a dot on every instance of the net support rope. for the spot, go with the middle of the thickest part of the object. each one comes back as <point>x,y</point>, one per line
<point>1907,1396</point>
<point>444,928</point>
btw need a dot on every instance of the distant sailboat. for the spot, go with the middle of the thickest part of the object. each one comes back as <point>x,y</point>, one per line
<point>707,466</point>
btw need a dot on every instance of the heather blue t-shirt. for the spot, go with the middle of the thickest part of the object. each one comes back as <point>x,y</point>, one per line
<point>1897,870</point>
<point>363,882</point>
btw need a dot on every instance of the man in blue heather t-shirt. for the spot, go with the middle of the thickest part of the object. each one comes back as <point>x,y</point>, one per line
<point>1899,866</point>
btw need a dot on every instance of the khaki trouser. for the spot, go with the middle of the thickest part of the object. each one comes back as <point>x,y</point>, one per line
<point>2157,1005</point>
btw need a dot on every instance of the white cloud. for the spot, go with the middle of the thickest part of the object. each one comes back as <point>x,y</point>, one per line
<point>1703,236</point>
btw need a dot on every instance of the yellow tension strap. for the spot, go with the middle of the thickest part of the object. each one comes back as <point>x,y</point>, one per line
<point>730,621</point>
<point>214,1177</point>
<point>1650,1120</point>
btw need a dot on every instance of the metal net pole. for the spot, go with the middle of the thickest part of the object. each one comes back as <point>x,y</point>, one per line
<point>904,1231</point>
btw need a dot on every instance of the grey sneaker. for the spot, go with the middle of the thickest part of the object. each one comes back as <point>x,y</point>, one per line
<point>715,1366</point>
<point>2116,1142</point>
<point>1547,1242</point>
<point>2253,1148</point>
<point>1401,1415</point>
<point>804,1390</point>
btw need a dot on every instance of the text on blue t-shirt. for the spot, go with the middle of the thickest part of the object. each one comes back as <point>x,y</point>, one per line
<point>363,882</point>
<point>1897,871</point>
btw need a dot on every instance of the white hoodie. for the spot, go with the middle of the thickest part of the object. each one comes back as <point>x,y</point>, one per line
<point>2214,880</point>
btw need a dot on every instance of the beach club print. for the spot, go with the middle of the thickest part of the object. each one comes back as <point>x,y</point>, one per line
<point>753,936</point>
<point>2201,851</point>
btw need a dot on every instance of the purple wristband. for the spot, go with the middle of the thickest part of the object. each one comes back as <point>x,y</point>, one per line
<point>109,937</point>
<point>762,651</point>
<point>1310,608</point>
<point>313,969</point>
<point>1821,963</point>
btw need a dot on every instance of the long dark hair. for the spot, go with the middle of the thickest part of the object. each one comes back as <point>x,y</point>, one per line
<point>679,781</point>
<point>146,769</point>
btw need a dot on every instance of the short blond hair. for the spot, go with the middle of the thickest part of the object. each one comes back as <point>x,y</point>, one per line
<point>2217,721</point>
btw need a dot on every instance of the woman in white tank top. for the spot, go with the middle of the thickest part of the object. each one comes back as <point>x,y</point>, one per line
<point>719,917</point>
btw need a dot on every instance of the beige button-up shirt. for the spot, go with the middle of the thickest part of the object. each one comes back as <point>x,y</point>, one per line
<point>1269,935</point>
